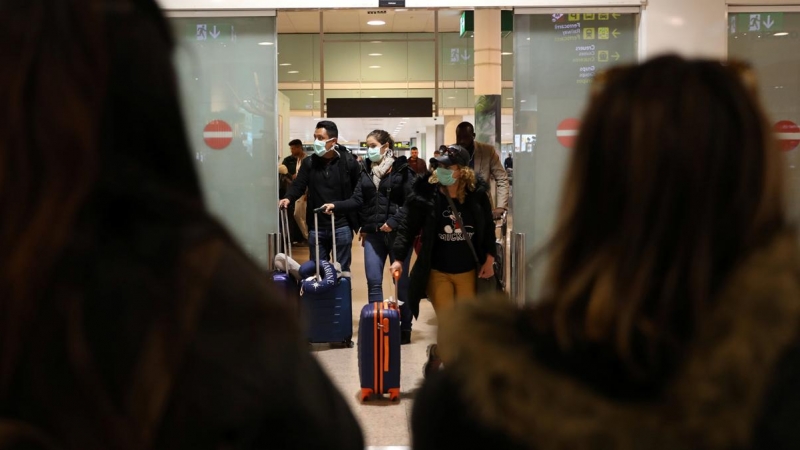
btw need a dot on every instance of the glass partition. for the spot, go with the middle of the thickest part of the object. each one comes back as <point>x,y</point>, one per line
<point>770,41</point>
<point>556,57</point>
<point>227,75</point>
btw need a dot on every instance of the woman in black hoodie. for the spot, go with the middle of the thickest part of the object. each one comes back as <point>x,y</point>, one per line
<point>445,268</point>
<point>379,196</point>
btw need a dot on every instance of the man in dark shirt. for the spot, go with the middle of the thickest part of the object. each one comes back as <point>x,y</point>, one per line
<point>330,175</point>
<point>509,162</point>
<point>417,163</point>
<point>292,162</point>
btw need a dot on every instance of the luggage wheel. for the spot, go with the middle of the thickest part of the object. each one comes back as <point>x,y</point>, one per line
<point>394,395</point>
<point>366,393</point>
<point>349,343</point>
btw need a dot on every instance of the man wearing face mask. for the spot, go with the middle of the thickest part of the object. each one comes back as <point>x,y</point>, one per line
<point>445,269</point>
<point>483,159</point>
<point>330,175</point>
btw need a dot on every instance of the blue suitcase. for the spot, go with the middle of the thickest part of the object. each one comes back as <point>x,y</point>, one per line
<point>329,314</point>
<point>379,349</point>
<point>285,282</point>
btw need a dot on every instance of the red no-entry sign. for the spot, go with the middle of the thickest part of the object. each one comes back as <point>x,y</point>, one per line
<point>567,131</point>
<point>217,134</point>
<point>788,135</point>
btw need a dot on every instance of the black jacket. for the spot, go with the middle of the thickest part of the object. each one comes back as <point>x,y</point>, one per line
<point>422,206</point>
<point>382,204</point>
<point>327,180</point>
<point>736,388</point>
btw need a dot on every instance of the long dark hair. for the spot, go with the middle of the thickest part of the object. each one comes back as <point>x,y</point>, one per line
<point>97,192</point>
<point>674,179</point>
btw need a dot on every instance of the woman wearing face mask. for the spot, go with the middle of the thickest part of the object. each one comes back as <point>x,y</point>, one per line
<point>445,268</point>
<point>385,182</point>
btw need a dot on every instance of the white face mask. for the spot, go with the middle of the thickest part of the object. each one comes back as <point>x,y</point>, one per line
<point>319,147</point>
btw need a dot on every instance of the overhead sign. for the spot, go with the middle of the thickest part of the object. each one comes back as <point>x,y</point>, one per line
<point>218,134</point>
<point>392,3</point>
<point>788,135</point>
<point>567,131</point>
<point>771,22</point>
<point>214,32</point>
<point>467,24</point>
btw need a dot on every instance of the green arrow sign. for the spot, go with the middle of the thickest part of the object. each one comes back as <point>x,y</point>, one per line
<point>771,22</point>
<point>212,32</point>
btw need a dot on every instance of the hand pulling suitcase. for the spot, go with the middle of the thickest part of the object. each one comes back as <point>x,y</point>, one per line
<point>330,313</point>
<point>282,279</point>
<point>379,348</point>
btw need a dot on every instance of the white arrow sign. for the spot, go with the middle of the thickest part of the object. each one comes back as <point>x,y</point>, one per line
<point>214,33</point>
<point>465,55</point>
<point>769,22</point>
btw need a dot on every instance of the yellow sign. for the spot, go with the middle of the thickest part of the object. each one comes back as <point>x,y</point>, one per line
<point>574,17</point>
<point>602,56</point>
<point>603,33</point>
<point>588,16</point>
<point>588,34</point>
<point>602,16</point>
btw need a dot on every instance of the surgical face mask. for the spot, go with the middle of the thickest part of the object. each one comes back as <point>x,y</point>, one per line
<point>445,176</point>
<point>374,154</point>
<point>319,147</point>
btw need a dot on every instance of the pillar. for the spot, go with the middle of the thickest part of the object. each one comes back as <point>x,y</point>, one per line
<point>450,124</point>
<point>488,76</point>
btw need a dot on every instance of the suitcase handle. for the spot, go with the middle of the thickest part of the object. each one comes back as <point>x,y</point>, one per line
<point>286,239</point>
<point>333,235</point>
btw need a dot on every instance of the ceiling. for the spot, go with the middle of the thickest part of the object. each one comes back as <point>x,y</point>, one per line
<point>355,21</point>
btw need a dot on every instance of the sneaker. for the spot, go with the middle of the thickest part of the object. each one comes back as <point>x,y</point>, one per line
<point>405,337</point>
<point>434,364</point>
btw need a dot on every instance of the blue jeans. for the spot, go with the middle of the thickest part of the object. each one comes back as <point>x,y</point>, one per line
<point>376,249</point>
<point>344,245</point>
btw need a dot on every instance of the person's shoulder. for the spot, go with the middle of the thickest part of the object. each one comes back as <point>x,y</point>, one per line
<point>240,291</point>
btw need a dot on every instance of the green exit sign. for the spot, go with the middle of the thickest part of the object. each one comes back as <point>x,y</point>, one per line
<point>468,22</point>
<point>207,31</point>
<point>771,22</point>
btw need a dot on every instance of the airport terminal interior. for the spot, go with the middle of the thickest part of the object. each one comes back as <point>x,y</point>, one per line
<point>253,80</point>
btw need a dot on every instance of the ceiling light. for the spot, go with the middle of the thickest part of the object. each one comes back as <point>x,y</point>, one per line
<point>506,53</point>
<point>522,101</point>
<point>375,42</point>
<point>311,93</point>
<point>374,67</point>
<point>406,118</point>
<point>376,54</point>
<point>782,33</point>
<point>265,43</point>
<point>285,64</point>
<point>293,71</point>
<point>376,23</point>
<point>451,98</point>
<point>509,98</point>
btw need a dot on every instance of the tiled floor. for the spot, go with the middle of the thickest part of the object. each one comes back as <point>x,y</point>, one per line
<point>385,424</point>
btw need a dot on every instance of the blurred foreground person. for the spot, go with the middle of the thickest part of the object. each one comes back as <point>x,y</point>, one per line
<point>671,300</point>
<point>129,319</point>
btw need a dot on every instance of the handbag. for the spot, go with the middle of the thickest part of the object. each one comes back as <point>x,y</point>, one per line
<point>482,285</point>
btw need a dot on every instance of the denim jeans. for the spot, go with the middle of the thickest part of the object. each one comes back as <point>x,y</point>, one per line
<point>376,249</point>
<point>344,245</point>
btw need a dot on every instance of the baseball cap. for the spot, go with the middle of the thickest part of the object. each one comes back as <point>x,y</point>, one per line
<point>455,154</point>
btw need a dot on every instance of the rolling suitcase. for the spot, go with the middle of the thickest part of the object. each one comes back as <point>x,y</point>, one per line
<point>500,246</point>
<point>282,277</point>
<point>379,348</point>
<point>329,313</point>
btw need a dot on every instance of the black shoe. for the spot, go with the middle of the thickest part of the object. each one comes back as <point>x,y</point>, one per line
<point>405,337</point>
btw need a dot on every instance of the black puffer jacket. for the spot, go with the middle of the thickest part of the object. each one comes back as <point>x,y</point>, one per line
<point>382,204</point>
<point>422,206</point>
